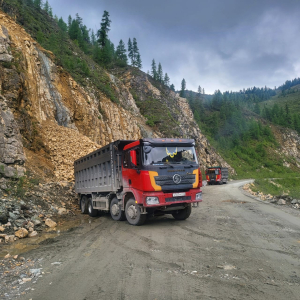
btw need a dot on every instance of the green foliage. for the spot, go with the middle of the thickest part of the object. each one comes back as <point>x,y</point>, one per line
<point>102,33</point>
<point>183,87</point>
<point>247,144</point>
<point>290,185</point>
<point>157,114</point>
<point>20,187</point>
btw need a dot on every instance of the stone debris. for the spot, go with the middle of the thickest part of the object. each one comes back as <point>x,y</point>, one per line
<point>32,234</point>
<point>26,217</point>
<point>66,145</point>
<point>21,233</point>
<point>50,223</point>
<point>279,200</point>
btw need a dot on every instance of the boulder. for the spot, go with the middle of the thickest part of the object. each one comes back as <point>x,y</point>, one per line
<point>50,223</point>
<point>281,202</point>
<point>21,233</point>
<point>32,234</point>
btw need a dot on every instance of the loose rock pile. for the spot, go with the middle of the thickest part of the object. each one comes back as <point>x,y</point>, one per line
<point>27,217</point>
<point>279,200</point>
<point>66,145</point>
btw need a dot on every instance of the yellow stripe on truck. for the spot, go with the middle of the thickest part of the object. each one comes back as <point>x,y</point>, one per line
<point>152,174</point>
<point>196,172</point>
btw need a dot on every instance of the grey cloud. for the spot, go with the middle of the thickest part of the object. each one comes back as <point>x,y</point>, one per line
<point>226,45</point>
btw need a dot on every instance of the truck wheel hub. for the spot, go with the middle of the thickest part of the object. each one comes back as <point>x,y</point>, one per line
<point>132,212</point>
<point>115,209</point>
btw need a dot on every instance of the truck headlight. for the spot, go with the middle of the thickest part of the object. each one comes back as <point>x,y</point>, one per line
<point>152,200</point>
<point>199,196</point>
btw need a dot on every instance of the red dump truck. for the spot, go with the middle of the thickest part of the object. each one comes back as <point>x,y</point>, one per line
<point>216,175</point>
<point>133,179</point>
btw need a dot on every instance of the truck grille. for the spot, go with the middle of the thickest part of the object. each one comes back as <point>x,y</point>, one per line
<point>168,180</point>
<point>174,199</point>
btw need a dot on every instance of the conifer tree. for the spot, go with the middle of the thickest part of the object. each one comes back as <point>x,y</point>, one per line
<point>183,87</point>
<point>130,51</point>
<point>46,7</point>
<point>63,26</point>
<point>93,38</point>
<point>69,21</point>
<point>37,4</point>
<point>103,31</point>
<point>136,54</point>
<point>121,52</point>
<point>138,61</point>
<point>172,87</point>
<point>153,69</point>
<point>166,80</point>
<point>160,73</point>
<point>199,90</point>
<point>50,12</point>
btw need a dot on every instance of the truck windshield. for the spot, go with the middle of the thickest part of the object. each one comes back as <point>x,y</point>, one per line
<point>169,155</point>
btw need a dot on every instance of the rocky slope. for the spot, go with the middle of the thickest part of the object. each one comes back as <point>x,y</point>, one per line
<point>48,116</point>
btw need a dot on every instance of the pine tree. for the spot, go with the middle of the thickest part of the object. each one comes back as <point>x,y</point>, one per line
<point>138,61</point>
<point>166,80</point>
<point>199,90</point>
<point>153,69</point>
<point>46,7</point>
<point>69,21</point>
<point>50,12</point>
<point>183,87</point>
<point>160,73</point>
<point>37,4</point>
<point>135,51</point>
<point>172,87</point>
<point>103,31</point>
<point>130,51</point>
<point>93,38</point>
<point>121,52</point>
<point>63,26</point>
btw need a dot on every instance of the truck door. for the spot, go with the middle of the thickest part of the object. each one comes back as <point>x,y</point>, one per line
<point>131,169</point>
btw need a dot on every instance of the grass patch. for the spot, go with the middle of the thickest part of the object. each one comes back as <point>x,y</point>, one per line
<point>280,186</point>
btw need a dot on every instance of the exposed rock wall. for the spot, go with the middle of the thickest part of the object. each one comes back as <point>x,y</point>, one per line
<point>67,120</point>
<point>12,156</point>
<point>289,141</point>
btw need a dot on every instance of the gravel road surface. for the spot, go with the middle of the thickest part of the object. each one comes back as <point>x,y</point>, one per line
<point>231,247</point>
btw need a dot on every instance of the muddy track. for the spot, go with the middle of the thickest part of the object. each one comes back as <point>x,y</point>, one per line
<point>232,247</point>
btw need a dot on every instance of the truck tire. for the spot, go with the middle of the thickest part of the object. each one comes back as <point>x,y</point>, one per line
<point>183,214</point>
<point>115,210</point>
<point>133,213</point>
<point>92,212</point>
<point>83,204</point>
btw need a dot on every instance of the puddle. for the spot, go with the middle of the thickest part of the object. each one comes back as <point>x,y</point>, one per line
<point>235,201</point>
<point>44,237</point>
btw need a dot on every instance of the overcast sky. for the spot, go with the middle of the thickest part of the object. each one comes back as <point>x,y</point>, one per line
<point>217,44</point>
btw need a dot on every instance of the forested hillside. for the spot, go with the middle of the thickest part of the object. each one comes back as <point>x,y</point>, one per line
<point>240,126</point>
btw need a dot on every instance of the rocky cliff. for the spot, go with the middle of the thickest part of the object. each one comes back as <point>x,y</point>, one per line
<point>50,119</point>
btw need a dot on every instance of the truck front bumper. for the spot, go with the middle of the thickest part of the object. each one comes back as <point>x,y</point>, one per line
<point>152,199</point>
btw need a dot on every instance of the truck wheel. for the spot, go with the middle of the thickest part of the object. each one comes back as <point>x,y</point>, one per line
<point>220,182</point>
<point>183,214</point>
<point>92,212</point>
<point>83,205</point>
<point>115,210</point>
<point>133,213</point>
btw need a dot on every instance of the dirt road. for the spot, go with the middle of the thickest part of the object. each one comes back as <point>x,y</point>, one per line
<point>232,247</point>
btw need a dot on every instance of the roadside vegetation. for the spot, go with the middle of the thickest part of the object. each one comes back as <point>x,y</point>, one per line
<point>278,186</point>
<point>235,125</point>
